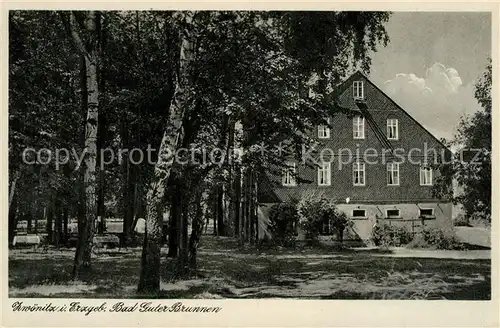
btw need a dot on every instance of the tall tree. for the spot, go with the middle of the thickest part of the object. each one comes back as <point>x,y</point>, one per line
<point>212,70</point>
<point>150,264</point>
<point>471,165</point>
<point>41,115</point>
<point>247,68</point>
<point>88,49</point>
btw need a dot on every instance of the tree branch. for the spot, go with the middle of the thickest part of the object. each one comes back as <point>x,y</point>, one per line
<point>77,40</point>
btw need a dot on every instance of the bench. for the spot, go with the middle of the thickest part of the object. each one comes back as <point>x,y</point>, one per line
<point>34,241</point>
<point>26,240</point>
<point>106,241</point>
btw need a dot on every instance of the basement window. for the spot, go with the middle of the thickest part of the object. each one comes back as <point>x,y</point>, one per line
<point>426,212</point>
<point>358,213</point>
<point>392,213</point>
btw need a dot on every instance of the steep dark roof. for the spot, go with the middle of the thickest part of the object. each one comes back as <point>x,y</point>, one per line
<point>381,103</point>
<point>376,99</point>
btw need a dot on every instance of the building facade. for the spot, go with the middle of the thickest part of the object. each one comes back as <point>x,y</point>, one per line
<point>373,160</point>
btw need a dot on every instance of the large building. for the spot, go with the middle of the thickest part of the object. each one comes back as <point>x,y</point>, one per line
<point>380,168</point>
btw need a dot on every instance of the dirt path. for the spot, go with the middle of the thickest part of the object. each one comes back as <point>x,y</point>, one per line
<point>438,254</point>
<point>474,236</point>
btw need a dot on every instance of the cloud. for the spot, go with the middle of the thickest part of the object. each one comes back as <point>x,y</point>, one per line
<point>437,100</point>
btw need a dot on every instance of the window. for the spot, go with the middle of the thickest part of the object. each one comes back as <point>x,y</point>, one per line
<point>358,174</point>
<point>358,213</point>
<point>324,131</point>
<point>425,176</point>
<point>358,127</point>
<point>393,174</point>
<point>392,129</point>
<point>426,212</point>
<point>358,90</point>
<point>392,213</point>
<point>327,228</point>
<point>289,175</point>
<point>324,174</point>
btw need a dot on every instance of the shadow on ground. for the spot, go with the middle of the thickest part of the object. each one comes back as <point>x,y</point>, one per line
<point>227,271</point>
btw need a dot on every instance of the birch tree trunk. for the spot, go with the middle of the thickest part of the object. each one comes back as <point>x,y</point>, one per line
<point>149,281</point>
<point>84,249</point>
<point>102,129</point>
<point>89,52</point>
<point>201,203</point>
<point>237,197</point>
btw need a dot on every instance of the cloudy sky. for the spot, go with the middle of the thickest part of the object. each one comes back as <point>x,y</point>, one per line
<point>431,65</point>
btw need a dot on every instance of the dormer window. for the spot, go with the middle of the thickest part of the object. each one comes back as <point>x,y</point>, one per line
<point>358,90</point>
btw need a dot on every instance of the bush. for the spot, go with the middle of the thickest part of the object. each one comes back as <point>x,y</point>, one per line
<point>314,211</point>
<point>338,220</point>
<point>310,211</point>
<point>283,220</point>
<point>390,235</point>
<point>439,239</point>
<point>480,219</point>
<point>461,221</point>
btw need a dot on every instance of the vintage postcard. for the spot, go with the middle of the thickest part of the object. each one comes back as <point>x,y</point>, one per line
<point>250,165</point>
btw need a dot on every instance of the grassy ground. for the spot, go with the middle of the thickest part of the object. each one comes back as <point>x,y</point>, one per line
<point>229,272</point>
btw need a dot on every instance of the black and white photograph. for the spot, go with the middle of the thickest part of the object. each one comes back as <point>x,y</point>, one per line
<point>248,154</point>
